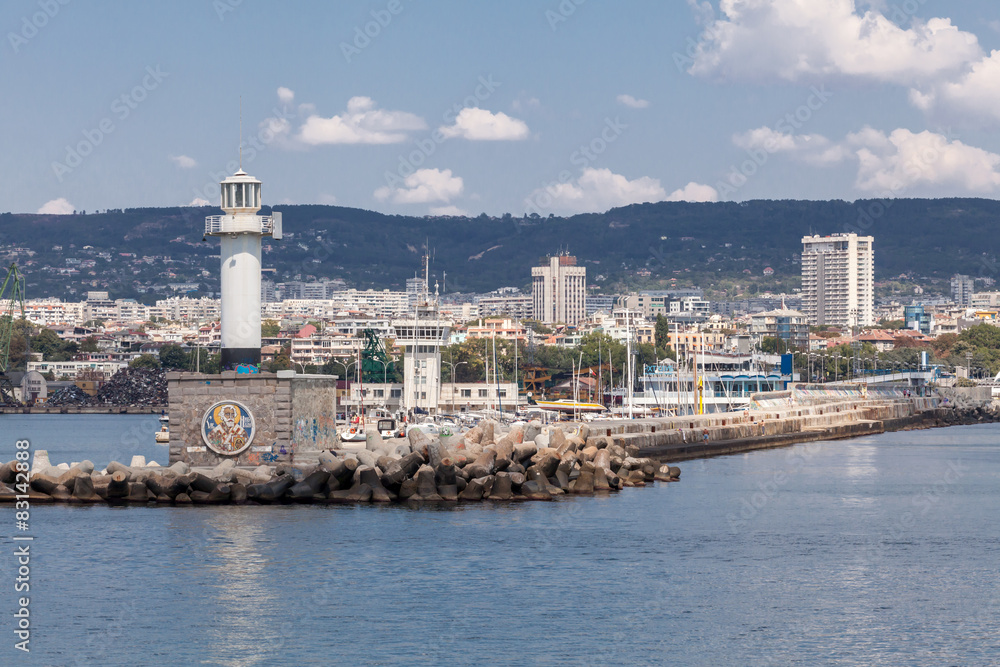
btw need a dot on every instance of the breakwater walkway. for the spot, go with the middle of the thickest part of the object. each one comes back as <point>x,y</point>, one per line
<point>802,414</point>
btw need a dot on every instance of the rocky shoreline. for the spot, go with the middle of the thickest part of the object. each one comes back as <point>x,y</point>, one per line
<point>482,464</point>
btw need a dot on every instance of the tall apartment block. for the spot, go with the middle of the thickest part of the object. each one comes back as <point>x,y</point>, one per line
<point>838,274</point>
<point>559,291</point>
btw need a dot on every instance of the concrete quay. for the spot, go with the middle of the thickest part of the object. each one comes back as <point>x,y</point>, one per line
<point>782,419</point>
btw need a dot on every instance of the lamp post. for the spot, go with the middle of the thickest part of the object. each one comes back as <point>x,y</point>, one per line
<point>453,366</point>
<point>346,367</point>
<point>968,364</point>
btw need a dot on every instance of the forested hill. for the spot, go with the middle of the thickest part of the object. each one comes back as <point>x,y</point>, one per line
<point>682,241</point>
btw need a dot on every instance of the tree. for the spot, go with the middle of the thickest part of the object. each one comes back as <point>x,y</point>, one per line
<point>269,328</point>
<point>89,344</point>
<point>144,361</point>
<point>52,347</point>
<point>173,357</point>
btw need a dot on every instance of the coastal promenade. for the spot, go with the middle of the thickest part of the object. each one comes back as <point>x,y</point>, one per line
<point>779,419</point>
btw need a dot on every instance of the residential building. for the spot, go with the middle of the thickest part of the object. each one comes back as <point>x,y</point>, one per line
<point>789,326</point>
<point>962,289</point>
<point>838,280</point>
<point>559,291</point>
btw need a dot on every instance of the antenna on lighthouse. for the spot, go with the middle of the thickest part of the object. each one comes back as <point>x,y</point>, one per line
<point>241,133</point>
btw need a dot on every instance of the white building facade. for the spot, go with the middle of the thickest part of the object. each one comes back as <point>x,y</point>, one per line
<point>559,291</point>
<point>838,280</point>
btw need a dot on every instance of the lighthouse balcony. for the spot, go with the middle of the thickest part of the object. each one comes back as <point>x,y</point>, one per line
<point>239,224</point>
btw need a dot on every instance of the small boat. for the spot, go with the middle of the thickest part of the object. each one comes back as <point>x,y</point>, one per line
<point>568,405</point>
<point>163,435</point>
<point>353,433</point>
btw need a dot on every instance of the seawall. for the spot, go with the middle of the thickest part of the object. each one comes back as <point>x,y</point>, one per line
<point>785,419</point>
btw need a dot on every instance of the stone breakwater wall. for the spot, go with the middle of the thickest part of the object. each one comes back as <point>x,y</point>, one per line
<point>525,463</point>
<point>680,438</point>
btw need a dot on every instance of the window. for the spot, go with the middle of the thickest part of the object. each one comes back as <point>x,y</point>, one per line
<point>503,393</point>
<point>423,394</point>
<point>483,393</point>
<point>380,393</point>
<point>395,393</point>
<point>466,393</point>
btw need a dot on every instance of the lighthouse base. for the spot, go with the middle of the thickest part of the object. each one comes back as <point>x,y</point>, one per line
<point>240,356</point>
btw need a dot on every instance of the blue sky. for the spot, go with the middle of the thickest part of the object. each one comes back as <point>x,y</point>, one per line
<point>450,107</point>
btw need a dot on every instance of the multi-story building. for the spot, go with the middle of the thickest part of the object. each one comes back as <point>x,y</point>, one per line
<point>516,305</point>
<point>962,289</point>
<point>838,280</point>
<point>559,291</point>
<point>788,326</point>
<point>918,318</point>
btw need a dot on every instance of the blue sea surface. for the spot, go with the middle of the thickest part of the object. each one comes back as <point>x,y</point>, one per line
<point>874,551</point>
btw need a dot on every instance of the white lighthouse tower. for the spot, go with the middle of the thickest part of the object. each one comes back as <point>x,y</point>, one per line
<point>240,232</point>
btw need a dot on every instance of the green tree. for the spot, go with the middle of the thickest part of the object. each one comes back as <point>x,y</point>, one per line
<point>89,344</point>
<point>173,357</point>
<point>269,328</point>
<point>144,361</point>
<point>52,347</point>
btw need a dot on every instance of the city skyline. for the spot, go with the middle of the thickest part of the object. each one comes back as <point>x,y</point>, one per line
<point>367,106</point>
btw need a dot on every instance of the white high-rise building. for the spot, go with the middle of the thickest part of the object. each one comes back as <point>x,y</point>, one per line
<point>559,291</point>
<point>838,280</point>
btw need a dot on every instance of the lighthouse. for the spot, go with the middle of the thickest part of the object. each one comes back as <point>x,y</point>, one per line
<point>240,231</point>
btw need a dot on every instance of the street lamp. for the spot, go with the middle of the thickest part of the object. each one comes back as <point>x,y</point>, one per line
<point>968,364</point>
<point>453,366</point>
<point>346,367</point>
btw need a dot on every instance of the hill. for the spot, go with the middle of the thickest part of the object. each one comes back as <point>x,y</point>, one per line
<point>130,252</point>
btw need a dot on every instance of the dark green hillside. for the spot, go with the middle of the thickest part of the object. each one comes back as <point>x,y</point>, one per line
<point>689,242</point>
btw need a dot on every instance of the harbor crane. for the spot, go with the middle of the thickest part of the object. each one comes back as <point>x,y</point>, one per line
<point>11,297</point>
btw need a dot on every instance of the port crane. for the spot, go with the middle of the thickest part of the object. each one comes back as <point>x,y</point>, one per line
<point>11,297</point>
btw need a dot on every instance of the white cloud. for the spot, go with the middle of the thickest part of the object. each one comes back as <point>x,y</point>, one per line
<point>480,125</point>
<point>599,190</point>
<point>889,164</point>
<point>524,102</point>
<point>633,102</point>
<point>199,201</point>
<point>813,148</point>
<point>285,95</point>
<point>976,94</point>
<point>449,210</point>
<point>793,40</point>
<point>694,192</point>
<point>183,161</point>
<point>327,199</point>
<point>904,159</point>
<point>56,207</point>
<point>423,187</point>
<point>362,123</point>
